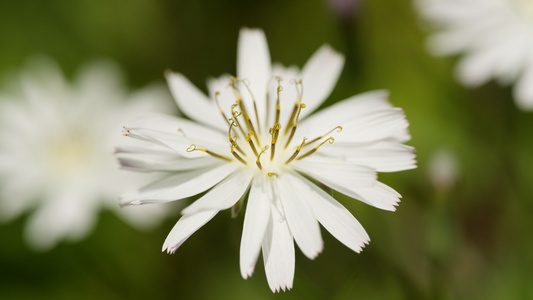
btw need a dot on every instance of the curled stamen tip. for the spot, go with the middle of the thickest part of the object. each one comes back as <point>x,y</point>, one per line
<point>302,105</point>
<point>271,174</point>
<point>280,88</point>
<point>339,128</point>
<point>331,140</point>
<point>191,148</point>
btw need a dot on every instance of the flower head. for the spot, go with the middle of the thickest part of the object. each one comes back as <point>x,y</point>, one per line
<point>56,149</point>
<point>495,37</point>
<point>255,141</point>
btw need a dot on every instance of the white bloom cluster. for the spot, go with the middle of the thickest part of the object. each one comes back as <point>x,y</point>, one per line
<point>494,36</point>
<point>56,149</point>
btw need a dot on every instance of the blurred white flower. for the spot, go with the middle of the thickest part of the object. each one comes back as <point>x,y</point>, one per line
<point>495,37</point>
<point>443,169</point>
<point>56,149</point>
<point>255,140</point>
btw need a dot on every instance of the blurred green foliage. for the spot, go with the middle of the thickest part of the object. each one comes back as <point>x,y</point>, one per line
<point>469,241</point>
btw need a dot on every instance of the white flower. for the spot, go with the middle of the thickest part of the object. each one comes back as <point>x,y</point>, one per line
<point>495,36</point>
<point>256,140</point>
<point>56,149</point>
<point>443,169</point>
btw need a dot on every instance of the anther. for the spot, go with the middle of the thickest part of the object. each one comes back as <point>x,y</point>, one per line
<point>182,132</point>
<point>295,124</point>
<point>258,161</point>
<point>274,131</point>
<point>233,140</point>
<point>296,152</point>
<point>193,147</point>
<point>251,143</point>
<point>299,94</point>
<point>247,85</point>
<point>217,94</point>
<point>237,156</point>
<point>271,174</point>
<point>330,140</point>
<point>235,115</point>
<point>338,129</point>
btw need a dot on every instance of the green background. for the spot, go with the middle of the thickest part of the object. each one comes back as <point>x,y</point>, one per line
<point>469,241</point>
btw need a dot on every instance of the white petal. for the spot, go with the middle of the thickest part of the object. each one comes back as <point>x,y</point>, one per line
<point>382,156</point>
<point>344,111</point>
<point>185,227</point>
<point>336,218</point>
<point>143,163</point>
<point>255,224</point>
<point>254,65</point>
<point>178,142</point>
<point>226,95</point>
<point>380,196</point>
<point>179,186</point>
<point>67,216</point>
<point>374,126</point>
<point>222,196</point>
<point>278,253</point>
<point>337,173</point>
<point>377,194</point>
<point>192,102</point>
<point>523,91</point>
<point>319,76</point>
<point>302,222</point>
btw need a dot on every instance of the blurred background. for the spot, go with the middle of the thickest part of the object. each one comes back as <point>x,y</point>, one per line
<point>460,232</point>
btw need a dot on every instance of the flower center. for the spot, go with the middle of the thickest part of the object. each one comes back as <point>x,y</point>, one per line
<point>69,154</point>
<point>268,150</point>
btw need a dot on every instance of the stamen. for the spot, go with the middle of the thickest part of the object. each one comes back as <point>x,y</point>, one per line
<point>217,94</point>
<point>302,105</point>
<point>258,161</point>
<point>338,128</point>
<point>278,107</point>
<point>182,132</point>
<point>233,140</point>
<point>330,140</point>
<point>249,139</point>
<point>274,131</point>
<point>271,174</point>
<point>251,127</point>
<point>194,148</point>
<point>236,154</point>
<point>268,99</point>
<point>235,116</point>
<point>240,103</point>
<point>299,94</point>
<point>296,152</point>
<point>247,85</point>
